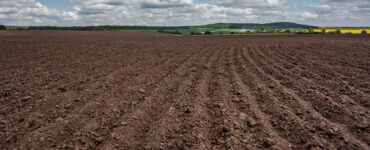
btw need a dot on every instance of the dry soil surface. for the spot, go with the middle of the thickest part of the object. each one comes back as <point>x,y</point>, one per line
<point>122,90</point>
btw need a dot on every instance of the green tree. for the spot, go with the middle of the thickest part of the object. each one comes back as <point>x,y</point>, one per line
<point>364,32</point>
<point>2,27</point>
<point>323,31</point>
<point>208,32</point>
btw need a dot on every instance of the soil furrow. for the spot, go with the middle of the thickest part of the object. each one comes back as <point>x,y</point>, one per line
<point>312,78</point>
<point>283,119</point>
<point>254,120</point>
<point>80,113</point>
<point>166,130</point>
<point>301,107</point>
<point>353,120</point>
<point>149,112</point>
<point>337,83</point>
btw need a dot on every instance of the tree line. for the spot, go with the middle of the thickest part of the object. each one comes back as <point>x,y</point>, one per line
<point>105,28</point>
<point>2,27</point>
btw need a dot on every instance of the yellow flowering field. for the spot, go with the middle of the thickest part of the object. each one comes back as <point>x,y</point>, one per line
<point>344,31</point>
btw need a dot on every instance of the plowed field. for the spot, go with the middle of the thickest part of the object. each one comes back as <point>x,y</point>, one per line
<point>117,90</point>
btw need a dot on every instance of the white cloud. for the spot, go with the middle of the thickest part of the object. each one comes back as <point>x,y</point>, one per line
<point>249,3</point>
<point>182,12</point>
<point>31,12</point>
<point>341,13</point>
<point>163,3</point>
<point>2,16</point>
<point>309,15</point>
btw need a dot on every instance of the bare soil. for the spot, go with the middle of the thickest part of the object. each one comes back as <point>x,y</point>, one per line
<point>123,90</point>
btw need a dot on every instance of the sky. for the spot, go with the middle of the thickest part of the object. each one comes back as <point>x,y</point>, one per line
<point>183,12</point>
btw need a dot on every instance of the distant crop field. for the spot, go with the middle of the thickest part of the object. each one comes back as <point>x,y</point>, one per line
<point>344,31</point>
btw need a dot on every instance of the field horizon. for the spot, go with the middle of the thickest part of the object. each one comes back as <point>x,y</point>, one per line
<point>218,28</point>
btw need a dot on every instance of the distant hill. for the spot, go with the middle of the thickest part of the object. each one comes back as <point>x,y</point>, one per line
<point>257,26</point>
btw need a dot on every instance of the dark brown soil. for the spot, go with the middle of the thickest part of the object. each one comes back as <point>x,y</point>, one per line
<point>118,90</point>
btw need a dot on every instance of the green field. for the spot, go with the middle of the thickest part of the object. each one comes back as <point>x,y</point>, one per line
<point>17,27</point>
